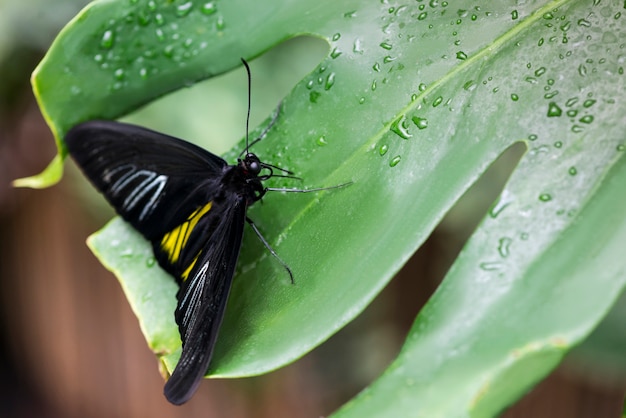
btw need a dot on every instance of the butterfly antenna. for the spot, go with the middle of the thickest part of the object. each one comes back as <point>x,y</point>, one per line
<point>249,100</point>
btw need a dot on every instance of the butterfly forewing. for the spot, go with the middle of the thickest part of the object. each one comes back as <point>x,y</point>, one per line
<point>154,181</point>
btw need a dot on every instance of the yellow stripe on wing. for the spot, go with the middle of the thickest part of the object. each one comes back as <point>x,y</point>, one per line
<point>174,241</point>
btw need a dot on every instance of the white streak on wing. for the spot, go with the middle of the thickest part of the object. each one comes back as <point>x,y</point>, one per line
<point>197,284</point>
<point>152,183</point>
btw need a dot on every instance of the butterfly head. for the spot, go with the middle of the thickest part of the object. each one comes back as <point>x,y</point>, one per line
<point>251,165</point>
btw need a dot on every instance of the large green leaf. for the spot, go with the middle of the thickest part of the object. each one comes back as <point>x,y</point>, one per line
<point>413,102</point>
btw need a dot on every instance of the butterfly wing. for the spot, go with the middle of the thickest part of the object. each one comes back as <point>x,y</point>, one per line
<point>202,297</point>
<point>171,192</point>
<point>151,179</point>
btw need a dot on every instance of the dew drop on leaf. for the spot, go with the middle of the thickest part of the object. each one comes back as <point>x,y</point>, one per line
<point>395,161</point>
<point>545,197</point>
<point>503,246</point>
<point>490,266</point>
<point>183,10</point>
<point>108,39</point>
<point>330,81</point>
<point>208,8</point>
<point>588,103</point>
<point>554,110</point>
<point>586,119</point>
<point>504,200</point>
<point>399,127</point>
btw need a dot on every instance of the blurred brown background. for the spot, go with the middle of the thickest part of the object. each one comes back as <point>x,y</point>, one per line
<point>71,347</point>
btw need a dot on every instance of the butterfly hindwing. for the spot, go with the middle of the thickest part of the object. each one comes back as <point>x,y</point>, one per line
<point>202,298</point>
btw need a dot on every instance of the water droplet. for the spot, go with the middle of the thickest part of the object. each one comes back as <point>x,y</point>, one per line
<point>335,53</point>
<point>571,102</point>
<point>336,36</point>
<point>584,22</point>
<point>321,141</point>
<point>514,15</point>
<point>582,70</point>
<point>532,137</point>
<point>386,45</point>
<point>373,87</point>
<point>586,119</point>
<point>383,149</point>
<point>490,266</point>
<point>168,51</point>
<point>460,55</point>
<point>621,147</point>
<point>421,87</point>
<point>362,100</point>
<point>558,144</point>
<point>330,81</point>
<point>422,16</point>
<point>531,80</point>
<point>504,200</point>
<point>395,161</point>
<point>208,8</point>
<point>545,197</point>
<point>551,94</point>
<point>388,59</point>
<point>75,90</point>
<point>514,97</point>
<point>572,113</point>
<point>542,149</point>
<point>108,39</point>
<point>588,103</point>
<point>572,171</point>
<point>143,73</point>
<point>220,25</point>
<point>470,85</point>
<point>183,10</point>
<point>503,246</point>
<point>159,19</point>
<point>119,74</point>
<point>399,127</point>
<point>376,67</point>
<point>357,48</point>
<point>548,16</point>
<point>421,123</point>
<point>150,261</point>
<point>577,128</point>
<point>437,101</point>
<point>554,110</point>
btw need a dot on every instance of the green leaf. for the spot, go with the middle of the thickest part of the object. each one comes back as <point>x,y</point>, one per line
<point>412,104</point>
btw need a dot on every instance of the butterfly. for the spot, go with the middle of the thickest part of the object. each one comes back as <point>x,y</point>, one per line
<point>191,205</point>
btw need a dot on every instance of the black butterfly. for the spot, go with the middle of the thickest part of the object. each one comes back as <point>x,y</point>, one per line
<point>191,205</point>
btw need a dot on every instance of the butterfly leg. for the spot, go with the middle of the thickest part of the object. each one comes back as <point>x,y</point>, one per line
<point>269,248</point>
